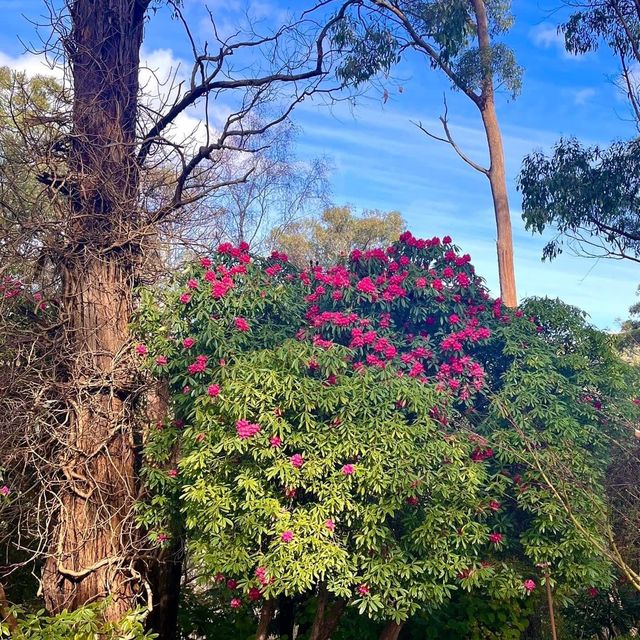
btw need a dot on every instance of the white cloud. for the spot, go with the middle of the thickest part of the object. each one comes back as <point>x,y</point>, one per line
<point>547,36</point>
<point>31,64</point>
<point>583,96</point>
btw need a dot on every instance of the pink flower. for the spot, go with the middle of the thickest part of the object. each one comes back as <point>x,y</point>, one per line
<point>161,361</point>
<point>4,490</point>
<point>213,390</point>
<point>235,603</point>
<point>363,590</point>
<point>330,525</point>
<point>275,442</point>
<point>593,592</point>
<point>495,537</point>
<point>232,584</point>
<point>172,473</point>
<point>185,298</point>
<point>205,262</point>
<point>192,283</point>
<point>219,578</point>
<point>366,286</point>
<point>529,585</point>
<point>412,501</point>
<point>162,537</point>
<point>348,469</point>
<point>494,505</point>
<point>255,594</point>
<point>421,283</point>
<point>286,536</point>
<point>246,429</point>
<point>296,460</point>
<point>241,324</point>
<point>141,349</point>
<point>187,343</point>
<point>261,574</point>
<point>446,240</point>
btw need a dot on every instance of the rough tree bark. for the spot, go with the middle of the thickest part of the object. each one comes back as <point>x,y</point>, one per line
<point>391,631</point>
<point>327,616</point>
<point>92,554</point>
<point>496,173</point>
<point>266,616</point>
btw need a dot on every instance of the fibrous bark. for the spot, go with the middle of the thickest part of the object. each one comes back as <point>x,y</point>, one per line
<point>93,550</point>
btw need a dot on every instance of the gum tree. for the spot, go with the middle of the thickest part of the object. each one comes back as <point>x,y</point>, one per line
<point>460,39</point>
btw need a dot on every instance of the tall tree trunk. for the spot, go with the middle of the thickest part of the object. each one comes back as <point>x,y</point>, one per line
<point>327,616</point>
<point>497,174</point>
<point>93,549</point>
<point>498,182</point>
<point>391,631</point>
<point>266,616</point>
<point>166,567</point>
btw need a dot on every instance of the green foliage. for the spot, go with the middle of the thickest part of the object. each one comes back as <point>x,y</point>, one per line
<point>589,194</point>
<point>616,608</point>
<point>373,39</point>
<point>205,613</point>
<point>475,616</point>
<point>453,447</point>
<point>84,623</point>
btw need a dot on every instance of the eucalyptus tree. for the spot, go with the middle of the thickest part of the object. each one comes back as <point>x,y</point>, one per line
<point>459,39</point>
<point>589,194</point>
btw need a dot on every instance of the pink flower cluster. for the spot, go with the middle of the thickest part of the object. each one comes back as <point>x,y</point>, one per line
<point>199,365</point>
<point>246,429</point>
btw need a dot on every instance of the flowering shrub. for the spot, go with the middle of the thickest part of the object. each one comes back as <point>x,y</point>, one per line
<point>380,430</point>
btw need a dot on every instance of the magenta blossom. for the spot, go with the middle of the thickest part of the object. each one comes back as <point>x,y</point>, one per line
<point>4,490</point>
<point>286,536</point>
<point>235,603</point>
<point>246,429</point>
<point>296,460</point>
<point>529,585</point>
<point>275,442</point>
<point>348,469</point>
<point>213,390</point>
<point>330,525</point>
<point>141,349</point>
<point>241,324</point>
<point>187,343</point>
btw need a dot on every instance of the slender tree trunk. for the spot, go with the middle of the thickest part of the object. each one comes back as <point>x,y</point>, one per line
<point>498,182</point>
<point>165,568</point>
<point>318,620</point>
<point>93,552</point>
<point>165,578</point>
<point>332,619</point>
<point>497,174</point>
<point>266,616</point>
<point>391,631</point>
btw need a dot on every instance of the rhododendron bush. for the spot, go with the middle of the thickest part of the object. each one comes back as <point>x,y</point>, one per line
<point>376,434</point>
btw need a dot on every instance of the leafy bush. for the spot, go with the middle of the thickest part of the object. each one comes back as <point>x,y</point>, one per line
<point>381,431</point>
<point>85,623</point>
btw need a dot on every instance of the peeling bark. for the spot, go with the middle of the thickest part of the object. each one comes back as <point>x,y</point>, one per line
<point>93,549</point>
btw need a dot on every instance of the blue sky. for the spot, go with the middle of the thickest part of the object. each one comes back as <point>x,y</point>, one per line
<point>381,161</point>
